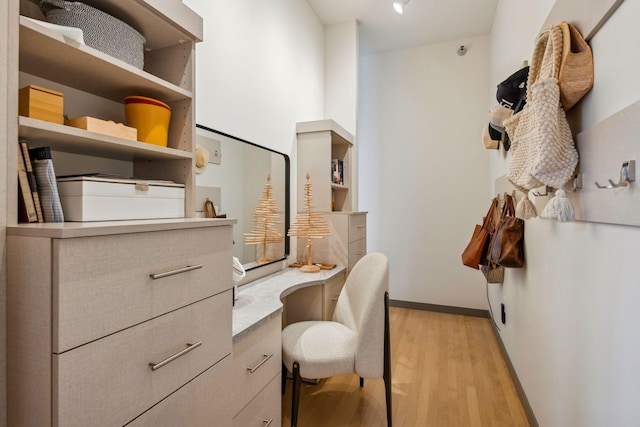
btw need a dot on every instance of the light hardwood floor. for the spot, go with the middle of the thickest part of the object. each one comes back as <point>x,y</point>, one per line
<point>447,371</point>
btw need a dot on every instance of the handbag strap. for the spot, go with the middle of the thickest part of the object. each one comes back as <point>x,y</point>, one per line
<point>547,55</point>
<point>488,222</point>
<point>508,208</point>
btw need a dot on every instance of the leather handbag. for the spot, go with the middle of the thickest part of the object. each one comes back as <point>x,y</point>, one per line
<point>506,247</point>
<point>475,252</point>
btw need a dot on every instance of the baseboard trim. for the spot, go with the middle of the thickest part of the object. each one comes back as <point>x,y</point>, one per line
<point>473,312</point>
<point>528,410</point>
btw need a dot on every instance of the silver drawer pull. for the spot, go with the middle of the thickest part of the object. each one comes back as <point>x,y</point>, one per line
<point>156,366</point>
<point>361,226</point>
<point>360,253</point>
<point>267,423</point>
<point>155,276</point>
<point>335,298</point>
<point>255,368</point>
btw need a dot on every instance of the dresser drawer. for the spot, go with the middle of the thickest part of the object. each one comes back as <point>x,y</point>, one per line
<point>103,284</point>
<point>265,409</point>
<point>357,227</point>
<point>357,250</point>
<point>196,404</point>
<point>257,357</point>
<point>112,378</point>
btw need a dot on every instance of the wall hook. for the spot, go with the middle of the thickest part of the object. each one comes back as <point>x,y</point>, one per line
<point>576,183</point>
<point>546,192</point>
<point>627,175</point>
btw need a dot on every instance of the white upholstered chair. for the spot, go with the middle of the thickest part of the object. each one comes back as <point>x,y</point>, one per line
<point>355,341</point>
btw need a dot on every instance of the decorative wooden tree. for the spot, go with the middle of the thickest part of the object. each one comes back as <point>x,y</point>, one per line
<point>266,217</point>
<point>309,225</point>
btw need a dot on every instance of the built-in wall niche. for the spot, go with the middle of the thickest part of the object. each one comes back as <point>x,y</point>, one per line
<point>234,180</point>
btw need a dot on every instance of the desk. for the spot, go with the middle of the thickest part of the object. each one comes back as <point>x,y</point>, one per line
<point>256,354</point>
<point>261,300</point>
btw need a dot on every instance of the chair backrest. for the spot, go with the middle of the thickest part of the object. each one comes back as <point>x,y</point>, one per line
<point>360,307</point>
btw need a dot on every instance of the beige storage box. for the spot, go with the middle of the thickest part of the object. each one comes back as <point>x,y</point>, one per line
<point>93,198</point>
<point>41,103</point>
<point>104,127</point>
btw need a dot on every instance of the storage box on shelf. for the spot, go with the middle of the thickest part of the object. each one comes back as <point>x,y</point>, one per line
<point>103,127</point>
<point>94,198</point>
<point>41,103</point>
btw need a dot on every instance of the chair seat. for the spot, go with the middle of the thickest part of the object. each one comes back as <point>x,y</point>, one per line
<point>322,348</point>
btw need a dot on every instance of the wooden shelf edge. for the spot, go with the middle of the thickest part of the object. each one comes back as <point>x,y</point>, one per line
<point>64,230</point>
<point>323,126</point>
<point>116,76</point>
<point>75,140</point>
<point>339,187</point>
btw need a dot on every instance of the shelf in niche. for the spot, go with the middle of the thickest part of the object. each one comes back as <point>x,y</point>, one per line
<point>87,69</point>
<point>79,141</point>
<point>339,187</point>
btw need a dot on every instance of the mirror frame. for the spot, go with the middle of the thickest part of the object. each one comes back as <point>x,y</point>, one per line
<point>287,192</point>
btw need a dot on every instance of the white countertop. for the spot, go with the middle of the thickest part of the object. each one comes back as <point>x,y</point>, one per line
<point>261,299</point>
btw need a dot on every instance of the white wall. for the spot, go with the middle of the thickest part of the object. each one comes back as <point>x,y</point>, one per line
<point>341,74</point>
<point>423,168</point>
<point>341,87</point>
<point>260,69</point>
<point>572,314</point>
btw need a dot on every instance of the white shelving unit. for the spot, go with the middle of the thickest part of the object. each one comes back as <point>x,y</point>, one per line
<point>171,31</point>
<point>318,143</point>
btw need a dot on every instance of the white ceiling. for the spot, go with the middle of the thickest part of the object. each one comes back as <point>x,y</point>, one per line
<point>423,22</point>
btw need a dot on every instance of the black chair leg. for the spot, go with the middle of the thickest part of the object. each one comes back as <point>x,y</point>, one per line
<point>387,359</point>
<point>295,394</point>
<point>361,382</point>
<point>284,378</point>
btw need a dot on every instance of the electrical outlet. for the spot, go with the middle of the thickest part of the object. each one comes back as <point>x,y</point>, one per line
<point>503,314</point>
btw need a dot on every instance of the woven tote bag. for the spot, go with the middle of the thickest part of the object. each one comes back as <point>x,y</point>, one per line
<point>543,151</point>
<point>576,69</point>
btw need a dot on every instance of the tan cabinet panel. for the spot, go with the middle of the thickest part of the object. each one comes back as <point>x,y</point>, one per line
<point>103,284</point>
<point>257,357</point>
<point>203,402</point>
<point>264,410</point>
<point>112,378</point>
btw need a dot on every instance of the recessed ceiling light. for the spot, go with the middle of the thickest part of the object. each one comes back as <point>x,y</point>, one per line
<point>398,6</point>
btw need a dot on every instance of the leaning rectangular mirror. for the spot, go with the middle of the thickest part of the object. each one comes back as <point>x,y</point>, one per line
<point>250,183</point>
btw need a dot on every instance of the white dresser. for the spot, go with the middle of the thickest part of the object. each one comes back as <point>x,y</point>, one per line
<point>120,323</point>
<point>257,364</point>
<point>347,243</point>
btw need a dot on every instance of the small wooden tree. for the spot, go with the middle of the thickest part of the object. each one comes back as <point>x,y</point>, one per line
<point>266,217</point>
<point>309,225</point>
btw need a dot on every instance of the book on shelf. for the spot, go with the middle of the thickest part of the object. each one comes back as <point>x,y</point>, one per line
<point>26,207</point>
<point>32,179</point>
<point>47,184</point>
<point>337,171</point>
